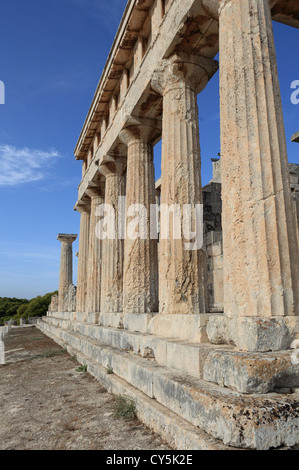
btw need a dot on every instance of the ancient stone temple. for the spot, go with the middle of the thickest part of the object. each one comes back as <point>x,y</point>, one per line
<point>201,338</point>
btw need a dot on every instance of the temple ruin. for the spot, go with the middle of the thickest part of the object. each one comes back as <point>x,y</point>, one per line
<point>202,340</point>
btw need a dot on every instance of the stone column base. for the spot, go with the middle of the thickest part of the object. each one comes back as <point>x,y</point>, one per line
<point>184,327</point>
<point>254,334</point>
<point>89,318</point>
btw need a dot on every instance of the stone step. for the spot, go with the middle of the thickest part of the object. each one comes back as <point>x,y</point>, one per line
<point>179,355</point>
<point>184,327</point>
<point>179,433</point>
<point>59,322</point>
<point>248,372</point>
<point>62,315</point>
<point>238,420</point>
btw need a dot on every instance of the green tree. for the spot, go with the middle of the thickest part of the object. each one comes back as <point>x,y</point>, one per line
<point>37,307</point>
<point>22,308</point>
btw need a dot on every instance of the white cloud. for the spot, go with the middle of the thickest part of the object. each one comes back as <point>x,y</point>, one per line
<point>18,166</point>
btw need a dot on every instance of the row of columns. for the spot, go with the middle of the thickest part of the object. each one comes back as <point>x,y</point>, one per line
<point>129,268</point>
<point>261,259</point>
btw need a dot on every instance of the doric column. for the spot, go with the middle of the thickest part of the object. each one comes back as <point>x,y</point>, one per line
<point>83,256</point>
<point>181,272</point>
<point>141,256</point>
<point>261,261</point>
<point>93,301</point>
<point>66,267</point>
<point>113,246</point>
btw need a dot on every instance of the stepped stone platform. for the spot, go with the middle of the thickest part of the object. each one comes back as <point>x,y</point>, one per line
<point>181,388</point>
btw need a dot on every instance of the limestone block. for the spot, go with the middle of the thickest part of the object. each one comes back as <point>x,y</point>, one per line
<point>71,300</point>
<point>115,320</point>
<point>185,327</point>
<point>251,372</point>
<point>138,322</point>
<point>53,307</point>
<point>187,357</point>
<point>252,333</point>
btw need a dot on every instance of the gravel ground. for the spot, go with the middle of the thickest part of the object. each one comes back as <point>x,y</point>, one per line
<point>46,404</point>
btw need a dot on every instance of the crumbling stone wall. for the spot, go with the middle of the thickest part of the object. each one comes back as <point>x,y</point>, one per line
<point>53,307</point>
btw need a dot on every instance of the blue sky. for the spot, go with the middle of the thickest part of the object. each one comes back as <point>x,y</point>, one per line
<point>52,55</point>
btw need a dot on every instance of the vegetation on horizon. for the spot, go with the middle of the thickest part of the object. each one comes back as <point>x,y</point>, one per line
<point>15,309</point>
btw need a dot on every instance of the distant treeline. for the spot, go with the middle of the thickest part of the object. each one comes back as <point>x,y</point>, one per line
<point>22,308</point>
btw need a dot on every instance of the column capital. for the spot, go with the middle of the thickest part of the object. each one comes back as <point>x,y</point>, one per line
<point>140,129</point>
<point>295,137</point>
<point>67,238</point>
<point>112,166</point>
<point>214,7</point>
<point>192,70</point>
<point>94,190</point>
<point>81,207</point>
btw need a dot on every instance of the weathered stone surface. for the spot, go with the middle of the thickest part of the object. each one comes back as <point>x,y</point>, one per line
<point>188,328</point>
<point>93,297</point>
<point>261,256</point>
<point>251,275</point>
<point>253,333</point>
<point>113,248</point>
<point>53,307</point>
<point>70,299</point>
<point>181,272</point>
<point>83,256</point>
<point>141,251</point>
<point>255,421</point>
<point>66,267</point>
<point>251,373</point>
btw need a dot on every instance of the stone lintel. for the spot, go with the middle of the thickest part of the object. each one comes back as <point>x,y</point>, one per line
<point>68,238</point>
<point>254,334</point>
<point>295,137</point>
<point>286,12</point>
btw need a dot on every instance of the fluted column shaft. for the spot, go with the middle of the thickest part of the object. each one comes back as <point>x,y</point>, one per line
<point>93,300</point>
<point>66,267</point>
<point>260,250</point>
<point>141,255</point>
<point>113,248</point>
<point>181,272</point>
<point>83,258</point>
